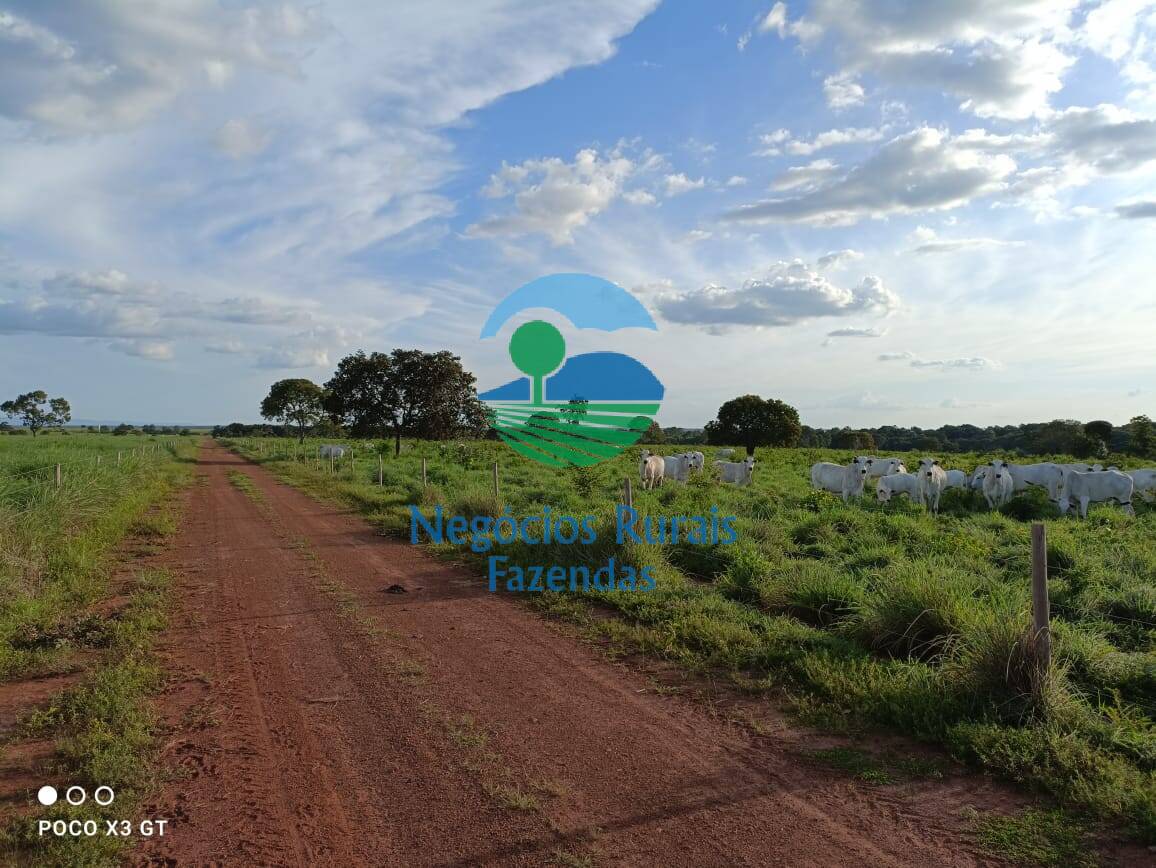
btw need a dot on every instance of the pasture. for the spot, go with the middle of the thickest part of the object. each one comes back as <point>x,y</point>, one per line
<point>862,615</point>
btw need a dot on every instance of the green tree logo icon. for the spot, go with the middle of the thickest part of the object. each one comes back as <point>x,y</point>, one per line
<point>537,349</point>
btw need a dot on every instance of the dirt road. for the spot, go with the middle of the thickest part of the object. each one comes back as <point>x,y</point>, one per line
<point>318,720</point>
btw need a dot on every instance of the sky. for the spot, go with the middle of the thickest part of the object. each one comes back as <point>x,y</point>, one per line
<point>879,211</point>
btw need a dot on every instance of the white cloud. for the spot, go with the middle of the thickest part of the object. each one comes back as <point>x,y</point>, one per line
<point>1000,59</point>
<point>918,171</point>
<point>836,258</point>
<point>781,141</point>
<point>552,197</point>
<point>775,20</point>
<point>806,176</point>
<point>226,347</point>
<point>857,332</point>
<point>1136,210</point>
<point>240,138</point>
<point>157,351</point>
<point>1105,138</point>
<point>677,184</point>
<point>789,293</point>
<point>927,241</point>
<point>972,363</point>
<point>736,181</point>
<point>639,197</point>
<point>843,90</point>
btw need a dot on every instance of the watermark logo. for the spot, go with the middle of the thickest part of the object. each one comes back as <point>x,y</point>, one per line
<point>575,411</point>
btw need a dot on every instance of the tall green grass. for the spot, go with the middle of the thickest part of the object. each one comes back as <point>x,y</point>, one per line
<point>861,614</point>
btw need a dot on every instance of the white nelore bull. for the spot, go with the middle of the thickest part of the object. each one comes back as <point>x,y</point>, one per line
<point>1097,487</point>
<point>1046,475</point>
<point>998,485</point>
<point>955,479</point>
<point>651,469</point>
<point>1144,482</point>
<point>697,461</point>
<point>724,453</point>
<point>877,468</point>
<point>898,483</point>
<point>676,467</point>
<point>331,450</point>
<point>932,481</point>
<point>846,481</point>
<point>738,472</point>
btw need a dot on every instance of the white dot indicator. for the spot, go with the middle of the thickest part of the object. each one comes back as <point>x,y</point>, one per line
<point>46,796</point>
<point>80,795</point>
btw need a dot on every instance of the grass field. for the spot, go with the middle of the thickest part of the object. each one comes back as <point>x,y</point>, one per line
<point>858,616</point>
<point>57,561</point>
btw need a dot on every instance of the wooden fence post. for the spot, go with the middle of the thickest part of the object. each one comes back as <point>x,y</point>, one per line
<point>1041,607</point>
<point>423,482</point>
<point>58,476</point>
<point>379,469</point>
<point>496,490</point>
<point>627,493</point>
<point>118,458</point>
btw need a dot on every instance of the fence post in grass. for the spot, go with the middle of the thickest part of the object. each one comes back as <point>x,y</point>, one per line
<point>379,469</point>
<point>58,476</point>
<point>496,493</point>
<point>1041,608</point>
<point>118,458</point>
<point>627,493</point>
<point>423,482</point>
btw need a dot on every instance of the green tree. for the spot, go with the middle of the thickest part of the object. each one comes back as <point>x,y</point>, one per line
<point>1089,446</point>
<point>1143,435</point>
<point>30,409</point>
<point>405,393</point>
<point>1099,429</point>
<point>848,439</point>
<point>294,402</point>
<point>654,434</point>
<point>752,421</point>
<point>1058,436</point>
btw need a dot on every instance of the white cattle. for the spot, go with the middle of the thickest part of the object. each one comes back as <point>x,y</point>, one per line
<point>676,467</point>
<point>932,481</point>
<point>724,453</point>
<point>1046,475</point>
<point>738,472</point>
<point>1144,482</point>
<point>877,468</point>
<point>898,483</point>
<point>697,461</point>
<point>955,479</point>
<point>844,480</point>
<point>331,450</point>
<point>998,485</point>
<point>1097,487</point>
<point>651,469</point>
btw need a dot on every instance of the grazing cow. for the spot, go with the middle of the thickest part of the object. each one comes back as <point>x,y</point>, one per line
<point>932,480</point>
<point>676,467</point>
<point>697,461</point>
<point>846,481</point>
<point>998,485</point>
<point>898,483</point>
<point>1046,475</point>
<point>1144,482</point>
<point>955,479</point>
<point>1097,487</point>
<point>738,472</point>
<point>651,469</point>
<point>877,468</point>
<point>330,450</point>
<point>724,453</point>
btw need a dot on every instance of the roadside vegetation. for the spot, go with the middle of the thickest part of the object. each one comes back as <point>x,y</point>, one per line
<point>858,615</point>
<point>68,606</point>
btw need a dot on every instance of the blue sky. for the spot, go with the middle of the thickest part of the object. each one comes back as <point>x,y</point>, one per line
<point>881,211</point>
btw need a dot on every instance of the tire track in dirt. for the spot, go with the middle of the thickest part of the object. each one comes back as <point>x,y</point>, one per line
<point>323,722</point>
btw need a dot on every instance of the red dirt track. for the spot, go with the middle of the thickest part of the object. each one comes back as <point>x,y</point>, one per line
<point>317,720</point>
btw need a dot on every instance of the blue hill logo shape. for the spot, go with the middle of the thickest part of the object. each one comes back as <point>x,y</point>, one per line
<point>595,404</point>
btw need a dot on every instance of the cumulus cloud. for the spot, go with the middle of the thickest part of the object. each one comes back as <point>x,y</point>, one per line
<point>312,348</point>
<point>843,91</point>
<point>1135,210</point>
<point>922,170</point>
<point>677,184</point>
<point>736,181</point>
<point>553,197</point>
<point>1105,138</point>
<point>808,175</point>
<point>830,139</point>
<point>789,293</point>
<point>1000,59</point>
<point>838,257</point>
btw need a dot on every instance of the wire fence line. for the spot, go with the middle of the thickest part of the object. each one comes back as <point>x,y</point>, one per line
<point>55,470</point>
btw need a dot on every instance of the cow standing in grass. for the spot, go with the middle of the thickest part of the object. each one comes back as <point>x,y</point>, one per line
<point>846,481</point>
<point>932,481</point>
<point>651,469</point>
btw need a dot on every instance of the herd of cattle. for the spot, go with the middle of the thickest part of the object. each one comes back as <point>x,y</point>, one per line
<point>1067,485</point>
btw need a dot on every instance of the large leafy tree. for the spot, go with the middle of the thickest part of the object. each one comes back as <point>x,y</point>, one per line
<point>36,411</point>
<point>1143,435</point>
<point>405,393</point>
<point>753,421</point>
<point>294,402</point>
